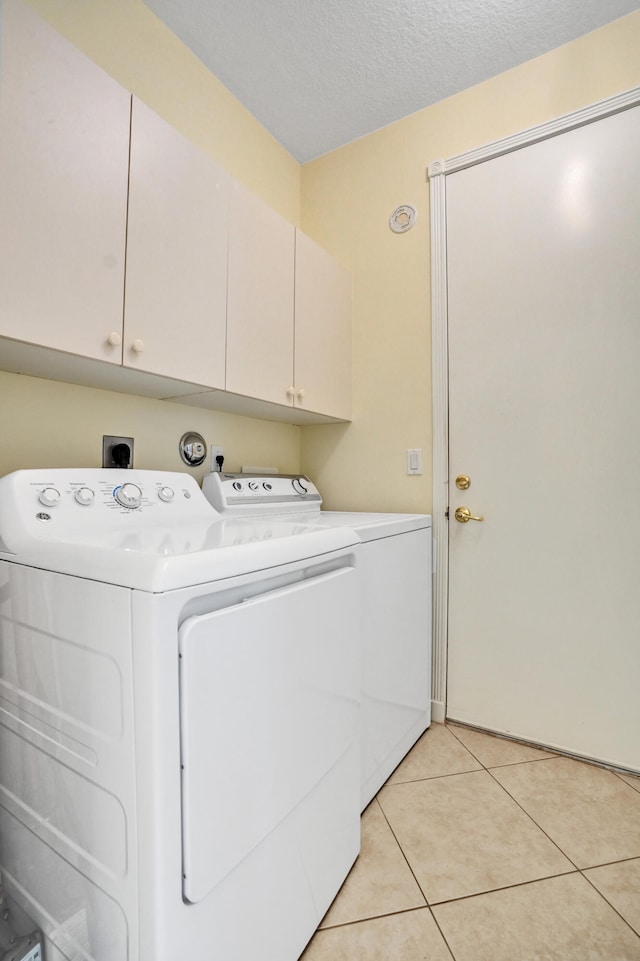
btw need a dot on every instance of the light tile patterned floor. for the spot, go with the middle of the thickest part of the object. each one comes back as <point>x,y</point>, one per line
<point>482,849</point>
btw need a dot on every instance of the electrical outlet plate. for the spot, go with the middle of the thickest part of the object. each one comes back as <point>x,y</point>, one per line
<point>216,451</point>
<point>109,441</point>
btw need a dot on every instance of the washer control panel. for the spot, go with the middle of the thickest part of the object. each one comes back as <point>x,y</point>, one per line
<point>66,503</point>
<point>255,494</point>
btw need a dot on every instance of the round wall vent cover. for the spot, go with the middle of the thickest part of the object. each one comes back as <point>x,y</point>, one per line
<point>403,218</point>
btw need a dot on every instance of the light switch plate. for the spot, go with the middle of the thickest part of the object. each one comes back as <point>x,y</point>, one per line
<point>414,460</point>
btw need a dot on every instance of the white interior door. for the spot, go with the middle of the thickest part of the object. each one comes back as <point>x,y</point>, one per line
<point>543,248</point>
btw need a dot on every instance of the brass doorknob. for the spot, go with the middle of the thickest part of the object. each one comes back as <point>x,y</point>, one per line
<point>463,515</point>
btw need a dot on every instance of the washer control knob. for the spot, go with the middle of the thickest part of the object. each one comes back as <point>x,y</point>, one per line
<point>84,496</point>
<point>267,486</point>
<point>49,496</point>
<point>253,486</point>
<point>299,485</point>
<point>166,494</point>
<point>237,485</point>
<point>128,495</point>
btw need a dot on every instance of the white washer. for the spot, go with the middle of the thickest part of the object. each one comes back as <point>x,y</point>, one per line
<point>395,574</point>
<point>178,719</point>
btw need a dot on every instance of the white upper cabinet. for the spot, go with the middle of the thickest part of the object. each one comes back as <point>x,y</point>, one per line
<point>177,235</point>
<point>288,314</point>
<point>64,143</point>
<point>260,300</point>
<point>220,298</point>
<point>322,356</point>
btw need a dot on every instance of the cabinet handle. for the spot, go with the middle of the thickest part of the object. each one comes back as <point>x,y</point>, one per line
<point>114,339</point>
<point>137,346</point>
<point>300,393</point>
<point>291,392</point>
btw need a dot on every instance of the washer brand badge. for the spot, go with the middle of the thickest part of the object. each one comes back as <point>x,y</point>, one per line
<point>42,516</point>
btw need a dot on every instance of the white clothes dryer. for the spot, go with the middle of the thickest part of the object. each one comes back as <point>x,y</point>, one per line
<point>395,584</point>
<point>178,719</point>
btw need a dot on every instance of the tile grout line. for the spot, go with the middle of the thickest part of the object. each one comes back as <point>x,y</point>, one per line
<point>515,801</point>
<point>578,870</point>
<point>619,775</point>
<point>531,817</point>
<point>433,777</point>
<point>374,917</point>
<point>574,870</point>
<point>506,887</point>
<point>606,900</point>
<point>535,746</point>
<point>503,740</point>
<point>420,888</point>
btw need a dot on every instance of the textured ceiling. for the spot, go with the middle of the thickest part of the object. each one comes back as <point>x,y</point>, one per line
<point>321,73</point>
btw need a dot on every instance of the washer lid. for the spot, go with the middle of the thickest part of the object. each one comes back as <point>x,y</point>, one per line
<point>154,531</point>
<point>294,495</point>
<point>370,527</point>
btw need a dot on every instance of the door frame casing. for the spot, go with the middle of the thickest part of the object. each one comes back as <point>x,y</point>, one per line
<point>436,175</point>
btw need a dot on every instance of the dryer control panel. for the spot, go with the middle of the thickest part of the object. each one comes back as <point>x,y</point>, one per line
<point>62,503</point>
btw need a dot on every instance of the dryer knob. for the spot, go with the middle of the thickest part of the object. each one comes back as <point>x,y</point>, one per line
<point>299,485</point>
<point>84,496</point>
<point>128,495</point>
<point>237,486</point>
<point>49,496</point>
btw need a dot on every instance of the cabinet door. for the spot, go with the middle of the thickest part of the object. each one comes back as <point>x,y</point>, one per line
<point>177,235</point>
<point>322,360</point>
<point>260,300</point>
<point>64,143</point>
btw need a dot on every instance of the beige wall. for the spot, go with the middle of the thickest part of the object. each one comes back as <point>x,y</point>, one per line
<point>48,424</point>
<point>347,198</point>
<point>55,425</point>
<point>128,41</point>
